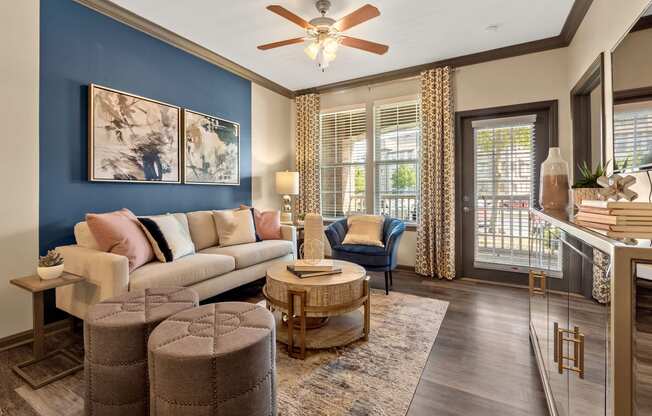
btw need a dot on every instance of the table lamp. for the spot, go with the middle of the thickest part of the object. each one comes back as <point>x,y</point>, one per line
<point>287,183</point>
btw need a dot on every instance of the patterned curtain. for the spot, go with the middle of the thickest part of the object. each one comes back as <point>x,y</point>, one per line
<point>307,153</point>
<point>435,255</point>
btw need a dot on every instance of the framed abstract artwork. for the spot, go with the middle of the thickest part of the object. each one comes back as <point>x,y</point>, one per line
<point>211,150</point>
<point>132,138</point>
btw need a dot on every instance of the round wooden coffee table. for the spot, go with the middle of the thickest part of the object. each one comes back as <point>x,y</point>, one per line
<point>324,311</point>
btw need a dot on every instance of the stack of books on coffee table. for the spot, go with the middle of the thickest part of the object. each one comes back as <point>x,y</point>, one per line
<point>313,268</point>
<point>617,219</point>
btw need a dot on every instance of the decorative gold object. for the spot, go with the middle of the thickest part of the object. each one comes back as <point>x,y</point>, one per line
<point>541,290</point>
<point>616,187</point>
<point>577,359</point>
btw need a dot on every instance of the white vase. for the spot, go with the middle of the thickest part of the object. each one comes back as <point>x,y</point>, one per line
<point>47,273</point>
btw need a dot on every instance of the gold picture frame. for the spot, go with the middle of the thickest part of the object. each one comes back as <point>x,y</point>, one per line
<point>132,139</point>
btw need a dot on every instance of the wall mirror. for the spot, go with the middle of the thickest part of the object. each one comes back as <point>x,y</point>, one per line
<point>587,109</point>
<point>631,149</point>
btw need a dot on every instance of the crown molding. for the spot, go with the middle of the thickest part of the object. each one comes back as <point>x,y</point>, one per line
<point>571,25</point>
<point>565,37</point>
<point>137,22</point>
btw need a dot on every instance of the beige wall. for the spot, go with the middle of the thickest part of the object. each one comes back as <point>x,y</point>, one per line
<point>19,81</point>
<point>605,25</point>
<point>271,144</point>
<point>632,61</point>
<point>522,79</point>
<point>536,77</point>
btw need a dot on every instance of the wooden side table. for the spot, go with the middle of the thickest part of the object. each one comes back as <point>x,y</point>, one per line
<point>37,286</point>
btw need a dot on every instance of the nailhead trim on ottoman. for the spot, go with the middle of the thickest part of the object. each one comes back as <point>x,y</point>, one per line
<point>115,340</point>
<point>217,359</point>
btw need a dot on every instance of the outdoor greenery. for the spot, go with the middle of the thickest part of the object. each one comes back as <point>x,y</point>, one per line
<point>358,181</point>
<point>404,177</point>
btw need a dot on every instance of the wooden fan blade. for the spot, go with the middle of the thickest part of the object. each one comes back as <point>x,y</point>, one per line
<point>361,15</point>
<point>283,12</point>
<point>280,43</point>
<point>365,45</point>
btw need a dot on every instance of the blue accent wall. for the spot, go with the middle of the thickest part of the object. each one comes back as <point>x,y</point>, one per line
<point>79,47</point>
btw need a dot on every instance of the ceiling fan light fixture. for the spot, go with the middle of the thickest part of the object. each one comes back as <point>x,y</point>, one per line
<point>312,49</point>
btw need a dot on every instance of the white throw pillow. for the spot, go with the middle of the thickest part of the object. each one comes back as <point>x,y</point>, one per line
<point>168,235</point>
<point>234,227</point>
<point>365,230</point>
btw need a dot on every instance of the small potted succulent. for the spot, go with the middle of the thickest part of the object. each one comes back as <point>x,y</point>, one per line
<point>587,186</point>
<point>50,266</point>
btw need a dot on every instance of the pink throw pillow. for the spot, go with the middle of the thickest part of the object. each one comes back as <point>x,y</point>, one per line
<point>119,232</point>
<point>268,223</point>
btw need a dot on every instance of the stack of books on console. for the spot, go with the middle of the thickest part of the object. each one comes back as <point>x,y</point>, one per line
<point>313,268</point>
<point>617,219</point>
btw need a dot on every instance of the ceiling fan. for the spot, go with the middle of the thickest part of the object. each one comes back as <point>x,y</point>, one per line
<point>324,34</point>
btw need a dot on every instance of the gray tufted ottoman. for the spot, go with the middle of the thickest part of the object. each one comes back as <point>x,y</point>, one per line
<point>115,339</point>
<point>217,359</point>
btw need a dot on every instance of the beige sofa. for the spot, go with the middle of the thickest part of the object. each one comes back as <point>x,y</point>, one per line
<point>211,271</point>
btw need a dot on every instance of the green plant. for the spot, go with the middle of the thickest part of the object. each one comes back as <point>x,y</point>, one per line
<point>618,167</point>
<point>359,180</point>
<point>404,177</point>
<point>589,178</point>
<point>50,260</point>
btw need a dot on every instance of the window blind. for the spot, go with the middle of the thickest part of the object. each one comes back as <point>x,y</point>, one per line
<point>504,179</point>
<point>343,139</point>
<point>633,135</point>
<point>396,161</point>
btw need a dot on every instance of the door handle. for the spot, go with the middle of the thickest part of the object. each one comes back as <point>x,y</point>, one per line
<point>541,289</point>
<point>577,359</point>
<point>466,210</point>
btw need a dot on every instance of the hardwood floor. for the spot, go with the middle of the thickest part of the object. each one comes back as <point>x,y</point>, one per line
<point>481,362</point>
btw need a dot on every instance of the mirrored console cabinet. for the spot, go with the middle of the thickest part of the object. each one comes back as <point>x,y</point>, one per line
<point>590,319</point>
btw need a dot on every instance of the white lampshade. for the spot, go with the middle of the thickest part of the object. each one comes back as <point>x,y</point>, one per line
<point>287,183</point>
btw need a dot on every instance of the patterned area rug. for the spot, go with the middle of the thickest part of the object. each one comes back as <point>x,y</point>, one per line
<point>377,377</point>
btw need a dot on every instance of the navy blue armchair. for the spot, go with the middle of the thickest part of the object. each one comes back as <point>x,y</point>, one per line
<point>377,259</point>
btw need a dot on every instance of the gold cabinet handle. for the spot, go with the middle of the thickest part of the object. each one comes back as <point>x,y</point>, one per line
<point>556,343</point>
<point>534,289</point>
<point>577,359</point>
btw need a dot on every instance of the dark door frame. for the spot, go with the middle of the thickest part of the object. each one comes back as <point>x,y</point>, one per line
<point>551,106</point>
<point>580,97</point>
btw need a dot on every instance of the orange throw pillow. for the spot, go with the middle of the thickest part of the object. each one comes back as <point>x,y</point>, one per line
<point>119,232</point>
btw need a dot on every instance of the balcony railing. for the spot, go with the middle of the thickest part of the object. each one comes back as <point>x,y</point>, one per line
<point>402,206</point>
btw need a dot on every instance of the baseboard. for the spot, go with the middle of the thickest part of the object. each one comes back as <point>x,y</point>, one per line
<point>25,337</point>
<point>405,267</point>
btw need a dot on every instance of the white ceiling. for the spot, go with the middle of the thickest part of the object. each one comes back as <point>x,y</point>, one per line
<point>417,31</point>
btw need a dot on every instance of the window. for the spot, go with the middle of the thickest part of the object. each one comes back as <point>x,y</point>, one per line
<point>633,135</point>
<point>396,162</point>
<point>343,137</point>
<point>386,184</point>
<point>504,179</point>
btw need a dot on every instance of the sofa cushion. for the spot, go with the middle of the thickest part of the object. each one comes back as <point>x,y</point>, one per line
<point>169,237</point>
<point>366,256</point>
<point>119,233</point>
<point>182,272</point>
<point>202,229</point>
<point>365,230</point>
<point>84,237</point>
<point>249,254</point>
<point>234,227</point>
